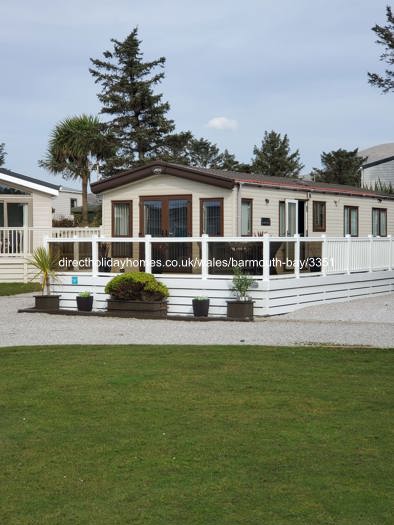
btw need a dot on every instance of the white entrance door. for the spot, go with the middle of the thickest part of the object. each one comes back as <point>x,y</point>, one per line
<point>291,217</point>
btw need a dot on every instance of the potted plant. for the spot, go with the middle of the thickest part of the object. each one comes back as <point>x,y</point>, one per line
<point>85,302</point>
<point>105,261</point>
<point>241,309</point>
<point>200,306</point>
<point>137,294</point>
<point>46,262</point>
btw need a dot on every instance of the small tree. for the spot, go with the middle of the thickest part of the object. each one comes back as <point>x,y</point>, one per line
<point>2,153</point>
<point>385,36</point>
<point>46,262</point>
<point>340,167</point>
<point>274,158</point>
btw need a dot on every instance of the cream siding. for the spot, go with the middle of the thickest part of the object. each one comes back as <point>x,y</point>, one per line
<point>170,185</point>
<point>334,210</point>
<point>265,204</point>
<point>42,210</point>
<point>62,203</point>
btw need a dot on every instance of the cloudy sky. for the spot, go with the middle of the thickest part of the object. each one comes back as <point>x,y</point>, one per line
<point>234,69</point>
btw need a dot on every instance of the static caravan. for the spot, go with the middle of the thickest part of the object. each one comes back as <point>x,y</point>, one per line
<point>169,200</point>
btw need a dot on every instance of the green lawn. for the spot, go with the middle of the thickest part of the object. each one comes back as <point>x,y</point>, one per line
<point>16,288</point>
<point>196,435</point>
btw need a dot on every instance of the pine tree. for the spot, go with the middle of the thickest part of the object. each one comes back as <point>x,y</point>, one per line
<point>274,158</point>
<point>203,154</point>
<point>340,167</point>
<point>385,36</point>
<point>138,115</point>
<point>2,153</point>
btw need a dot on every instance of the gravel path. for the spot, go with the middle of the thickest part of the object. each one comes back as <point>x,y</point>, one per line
<point>359,322</point>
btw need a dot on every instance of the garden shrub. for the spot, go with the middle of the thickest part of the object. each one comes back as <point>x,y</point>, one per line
<point>136,286</point>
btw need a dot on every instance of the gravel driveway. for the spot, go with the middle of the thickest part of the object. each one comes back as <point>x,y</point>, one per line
<point>359,322</point>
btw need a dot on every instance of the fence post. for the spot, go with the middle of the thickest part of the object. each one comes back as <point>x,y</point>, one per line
<point>370,252</point>
<point>390,252</point>
<point>204,256</point>
<point>324,258</point>
<point>95,260</point>
<point>348,250</point>
<point>148,253</point>
<point>297,255</point>
<point>25,241</point>
<point>266,257</point>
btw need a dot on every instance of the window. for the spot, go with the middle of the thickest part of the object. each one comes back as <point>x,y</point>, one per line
<point>319,216</point>
<point>350,221</point>
<point>121,219</point>
<point>246,217</point>
<point>122,227</point>
<point>73,204</point>
<point>211,217</point>
<point>379,222</point>
<point>282,218</point>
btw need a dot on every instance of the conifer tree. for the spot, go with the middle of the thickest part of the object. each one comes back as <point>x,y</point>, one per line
<point>138,115</point>
<point>2,153</point>
<point>274,158</point>
<point>340,167</point>
<point>385,36</point>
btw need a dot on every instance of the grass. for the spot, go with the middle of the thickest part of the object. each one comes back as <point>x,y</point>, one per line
<point>17,288</point>
<point>196,435</point>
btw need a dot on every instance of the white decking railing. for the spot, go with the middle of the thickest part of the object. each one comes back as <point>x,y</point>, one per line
<point>272,256</point>
<point>17,242</point>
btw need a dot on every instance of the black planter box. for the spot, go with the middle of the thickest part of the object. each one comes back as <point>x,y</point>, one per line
<point>200,307</point>
<point>47,303</point>
<point>138,309</point>
<point>240,310</point>
<point>85,304</point>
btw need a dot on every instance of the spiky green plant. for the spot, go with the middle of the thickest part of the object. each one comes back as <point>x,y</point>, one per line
<point>241,283</point>
<point>46,262</point>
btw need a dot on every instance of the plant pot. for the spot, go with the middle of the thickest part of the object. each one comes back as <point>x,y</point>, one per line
<point>314,264</point>
<point>200,307</point>
<point>85,304</point>
<point>47,303</point>
<point>105,264</point>
<point>138,309</point>
<point>240,310</point>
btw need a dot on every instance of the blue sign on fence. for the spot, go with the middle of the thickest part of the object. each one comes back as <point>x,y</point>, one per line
<point>74,279</point>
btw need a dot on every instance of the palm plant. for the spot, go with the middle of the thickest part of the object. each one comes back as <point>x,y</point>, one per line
<point>76,146</point>
<point>46,262</point>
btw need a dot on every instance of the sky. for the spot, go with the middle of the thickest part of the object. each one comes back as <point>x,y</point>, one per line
<point>234,69</point>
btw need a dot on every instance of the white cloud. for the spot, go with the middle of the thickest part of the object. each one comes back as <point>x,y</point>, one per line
<point>222,123</point>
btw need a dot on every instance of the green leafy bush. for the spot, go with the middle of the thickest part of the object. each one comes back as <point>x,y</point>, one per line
<point>136,286</point>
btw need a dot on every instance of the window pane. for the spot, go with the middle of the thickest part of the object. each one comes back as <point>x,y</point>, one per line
<point>1,214</point>
<point>212,217</point>
<point>246,218</point>
<point>282,219</point>
<point>375,222</point>
<point>383,223</point>
<point>153,218</point>
<point>319,216</point>
<point>353,221</point>
<point>122,220</point>
<point>16,214</point>
<point>346,221</point>
<point>177,220</point>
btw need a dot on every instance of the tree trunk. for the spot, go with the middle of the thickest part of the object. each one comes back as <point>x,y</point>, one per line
<point>85,216</point>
